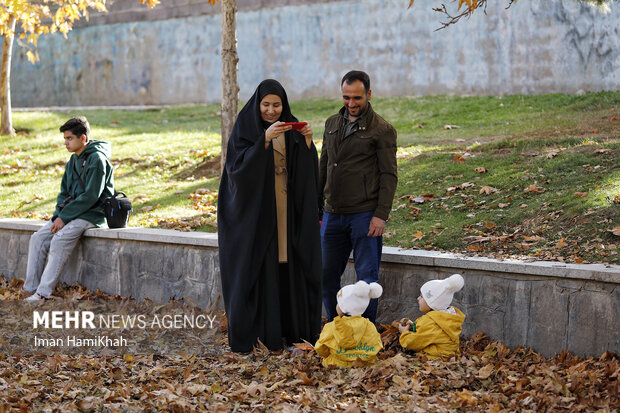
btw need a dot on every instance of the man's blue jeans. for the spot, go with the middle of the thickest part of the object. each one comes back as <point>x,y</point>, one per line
<point>341,233</point>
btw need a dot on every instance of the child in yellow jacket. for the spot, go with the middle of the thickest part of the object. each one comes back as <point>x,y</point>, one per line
<point>436,333</point>
<point>350,336</point>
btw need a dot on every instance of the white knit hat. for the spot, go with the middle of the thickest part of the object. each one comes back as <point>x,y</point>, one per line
<point>438,293</point>
<point>353,299</point>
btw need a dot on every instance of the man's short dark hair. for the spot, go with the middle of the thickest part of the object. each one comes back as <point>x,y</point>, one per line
<point>354,75</point>
<point>78,126</point>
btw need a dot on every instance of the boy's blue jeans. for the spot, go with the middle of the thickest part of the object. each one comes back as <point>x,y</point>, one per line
<point>341,233</point>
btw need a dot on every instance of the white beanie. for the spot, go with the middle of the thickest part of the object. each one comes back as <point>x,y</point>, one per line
<point>438,293</point>
<point>353,299</point>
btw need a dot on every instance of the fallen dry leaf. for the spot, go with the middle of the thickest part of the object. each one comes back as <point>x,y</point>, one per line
<point>461,186</point>
<point>581,194</point>
<point>414,211</point>
<point>481,170</point>
<point>485,372</point>
<point>615,231</point>
<point>488,190</point>
<point>553,153</point>
<point>534,188</point>
<point>417,235</point>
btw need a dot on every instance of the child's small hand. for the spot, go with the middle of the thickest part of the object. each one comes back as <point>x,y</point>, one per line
<point>405,321</point>
<point>402,328</point>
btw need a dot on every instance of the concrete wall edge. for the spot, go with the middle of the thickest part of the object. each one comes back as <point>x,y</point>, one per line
<point>607,273</point>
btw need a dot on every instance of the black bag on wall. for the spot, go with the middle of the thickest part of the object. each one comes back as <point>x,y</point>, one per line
<point>117,210</point>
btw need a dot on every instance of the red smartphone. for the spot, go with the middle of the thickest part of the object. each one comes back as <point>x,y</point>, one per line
<point>296,125</point>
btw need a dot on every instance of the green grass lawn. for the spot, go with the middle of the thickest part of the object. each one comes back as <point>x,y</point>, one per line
<point>513,176</point>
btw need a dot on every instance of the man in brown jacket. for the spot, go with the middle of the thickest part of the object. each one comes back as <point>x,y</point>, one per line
<point>357,184</point>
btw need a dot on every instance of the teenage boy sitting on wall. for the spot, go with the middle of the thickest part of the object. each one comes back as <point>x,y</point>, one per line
<point>87,181</point>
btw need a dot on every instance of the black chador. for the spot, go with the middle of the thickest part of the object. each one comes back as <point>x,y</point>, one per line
<point>278,304</point>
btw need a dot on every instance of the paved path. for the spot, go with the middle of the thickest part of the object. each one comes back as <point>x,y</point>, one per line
<point>73,108</point>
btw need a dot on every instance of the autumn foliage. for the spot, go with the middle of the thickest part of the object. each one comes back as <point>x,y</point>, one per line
<point>488,376</point>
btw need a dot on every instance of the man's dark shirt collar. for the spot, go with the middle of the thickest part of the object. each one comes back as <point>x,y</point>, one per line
<point>352,126</point>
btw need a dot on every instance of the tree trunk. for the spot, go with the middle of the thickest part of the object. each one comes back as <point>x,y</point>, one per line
<point>6,127</point>
<point>230,87</point>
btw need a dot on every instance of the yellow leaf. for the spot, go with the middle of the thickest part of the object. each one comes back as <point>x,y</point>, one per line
<point>467,396</point>
<point>32,57</point>
<point>417,235</point>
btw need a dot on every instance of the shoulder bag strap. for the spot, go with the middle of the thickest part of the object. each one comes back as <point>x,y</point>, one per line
<point>80,172</point>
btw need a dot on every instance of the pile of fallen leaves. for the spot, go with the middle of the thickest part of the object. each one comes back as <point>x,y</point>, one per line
<point>488,376</point>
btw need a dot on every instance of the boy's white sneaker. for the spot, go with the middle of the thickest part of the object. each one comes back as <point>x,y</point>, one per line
<point>34,298</point>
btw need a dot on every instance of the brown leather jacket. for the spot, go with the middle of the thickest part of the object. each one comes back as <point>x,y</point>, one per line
<point>358,170</point>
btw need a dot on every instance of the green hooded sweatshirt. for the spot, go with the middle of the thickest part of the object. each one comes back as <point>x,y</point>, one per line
<point>98,178</point>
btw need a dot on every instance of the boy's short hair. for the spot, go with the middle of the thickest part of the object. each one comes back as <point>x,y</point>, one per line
<point>354,75</point>
<point>78,126</point>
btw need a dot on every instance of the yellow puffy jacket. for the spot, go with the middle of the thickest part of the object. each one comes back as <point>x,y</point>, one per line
<point>437,334</point>
<point>347,339</point>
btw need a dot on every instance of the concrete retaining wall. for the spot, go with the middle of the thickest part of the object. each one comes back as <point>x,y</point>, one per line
<point>549,306</point>
<point>538,46</point>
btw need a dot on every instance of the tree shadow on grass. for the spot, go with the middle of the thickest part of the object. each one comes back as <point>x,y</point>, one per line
<point>170,198</point>
<point>208,168</point>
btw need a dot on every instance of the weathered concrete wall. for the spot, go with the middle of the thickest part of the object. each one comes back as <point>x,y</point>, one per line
<point>549,306</point>
<point>139,263</point>
<point>538,46</point>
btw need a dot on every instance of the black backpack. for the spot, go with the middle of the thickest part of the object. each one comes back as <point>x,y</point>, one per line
<point>117,210</point>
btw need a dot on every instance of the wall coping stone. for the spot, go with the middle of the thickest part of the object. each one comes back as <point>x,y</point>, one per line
<point>166,236</point>
<point>608,273</point>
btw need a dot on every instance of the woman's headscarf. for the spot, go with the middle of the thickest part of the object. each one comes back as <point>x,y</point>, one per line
<point>249,122</point>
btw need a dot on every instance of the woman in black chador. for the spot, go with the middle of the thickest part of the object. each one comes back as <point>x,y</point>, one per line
<point>268,227</point>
